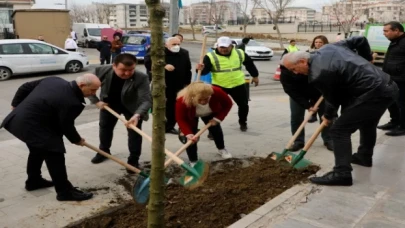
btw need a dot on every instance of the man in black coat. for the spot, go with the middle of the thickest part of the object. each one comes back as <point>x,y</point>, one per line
<point>245,41</point>
<point>127,92</point>
<point>394,65</point>
<point>177,76</point>
<point>104,47</point>
<point>363,92</point>
<point>43,112</point>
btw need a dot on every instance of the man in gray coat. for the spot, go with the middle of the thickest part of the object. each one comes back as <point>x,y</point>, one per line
<point>362,90</point>
<point>127,92</point>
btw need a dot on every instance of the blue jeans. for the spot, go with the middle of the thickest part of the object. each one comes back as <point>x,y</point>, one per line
<point>113,55</point>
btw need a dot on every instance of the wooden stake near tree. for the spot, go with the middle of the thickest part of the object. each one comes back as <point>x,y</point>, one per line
<point>157,184</point>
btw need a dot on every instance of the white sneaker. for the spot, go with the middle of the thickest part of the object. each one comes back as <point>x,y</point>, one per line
<point>225,154</point>
<point>192,164</point>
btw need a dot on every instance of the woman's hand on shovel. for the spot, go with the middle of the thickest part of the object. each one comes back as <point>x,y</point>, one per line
<point>193,138</point>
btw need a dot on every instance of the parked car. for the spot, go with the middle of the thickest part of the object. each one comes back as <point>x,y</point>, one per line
<point>256,50</point>
<point>24,56</point>
<point>205,30</point>
<point>165,34</point>
<point>137,44</point>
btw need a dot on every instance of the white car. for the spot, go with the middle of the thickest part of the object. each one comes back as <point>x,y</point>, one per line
<point>256,50</point>
<point>25,56</point>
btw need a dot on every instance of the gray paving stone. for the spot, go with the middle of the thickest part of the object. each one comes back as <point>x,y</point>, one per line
<point>380,223</point>
<point>390,209</point>
<point>292,223</point>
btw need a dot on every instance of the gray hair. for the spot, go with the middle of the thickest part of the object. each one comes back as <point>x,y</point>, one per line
<point>171,38</point>
<point>85,79</point>
<point>294,57</point>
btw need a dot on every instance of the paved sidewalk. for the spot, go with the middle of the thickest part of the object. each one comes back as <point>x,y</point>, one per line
<point>269,130</point>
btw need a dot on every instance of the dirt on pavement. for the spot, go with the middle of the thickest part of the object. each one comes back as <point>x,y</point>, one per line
<point>234,188</point>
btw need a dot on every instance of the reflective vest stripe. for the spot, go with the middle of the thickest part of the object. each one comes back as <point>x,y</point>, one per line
<point>218,66</point>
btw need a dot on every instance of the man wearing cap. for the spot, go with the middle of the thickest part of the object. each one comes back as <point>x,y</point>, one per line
<point>225,64</point>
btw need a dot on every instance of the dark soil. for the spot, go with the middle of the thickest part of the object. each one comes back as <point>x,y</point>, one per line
<point>234,188</point>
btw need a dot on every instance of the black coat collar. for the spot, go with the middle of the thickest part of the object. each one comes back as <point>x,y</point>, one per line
<point>78,92</point>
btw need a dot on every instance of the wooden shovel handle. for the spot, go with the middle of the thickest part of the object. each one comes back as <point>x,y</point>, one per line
<point>315,135</point>
<point>185,146</point>
<point>126,165</point>
<point>143,134</point>
<point>203,51</point>
<point>301,127</point>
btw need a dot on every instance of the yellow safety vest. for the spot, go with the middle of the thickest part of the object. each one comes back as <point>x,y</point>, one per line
<point>291,48</point>
<point>227,70</point>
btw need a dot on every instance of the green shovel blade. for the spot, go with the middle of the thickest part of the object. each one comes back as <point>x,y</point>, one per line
<point>194,175</point>
<point>297,160</point>
<point>278,156</point>
<point>141,189</point>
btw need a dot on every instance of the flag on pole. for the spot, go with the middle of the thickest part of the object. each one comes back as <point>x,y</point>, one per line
<point>180,4</point>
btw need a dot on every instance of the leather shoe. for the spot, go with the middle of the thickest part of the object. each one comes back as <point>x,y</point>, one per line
<point>31,185</point>
<point>243,127</point>
<point>334,179</point>
<point>210,136</point>
<point>329,145</point>
<point>172,131</point>
<point>361,160</point>
<point>296,146</point>
<point>396,132</point>
<point>74,194</point>
<point>388,126</point>
<point>98,159</point>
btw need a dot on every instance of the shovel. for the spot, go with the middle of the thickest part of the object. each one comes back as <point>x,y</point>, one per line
<point>279,156</point>
<point>298,161</point>
<point>137,194</point>
<point>194,176</point>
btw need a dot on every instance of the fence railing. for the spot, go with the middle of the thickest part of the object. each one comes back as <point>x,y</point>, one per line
<point>327,27</point>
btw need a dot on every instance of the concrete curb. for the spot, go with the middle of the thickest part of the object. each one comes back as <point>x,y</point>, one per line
<point>281,205</point>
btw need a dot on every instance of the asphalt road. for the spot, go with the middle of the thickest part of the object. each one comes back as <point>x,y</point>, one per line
<point>90,114</point>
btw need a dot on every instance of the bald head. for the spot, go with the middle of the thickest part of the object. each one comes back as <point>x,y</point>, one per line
<point>88,84</point>
<point>297,62</point>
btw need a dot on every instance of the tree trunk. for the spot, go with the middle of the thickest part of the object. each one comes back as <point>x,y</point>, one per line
<point>244,29</point>
<point>192,28</point>
<point>280,39</point>
<point>157,185</point>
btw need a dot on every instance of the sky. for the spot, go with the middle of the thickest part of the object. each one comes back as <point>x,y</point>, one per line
<point>59,4</point>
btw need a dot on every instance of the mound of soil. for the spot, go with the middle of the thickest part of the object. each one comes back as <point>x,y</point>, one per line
<point>234,188</point>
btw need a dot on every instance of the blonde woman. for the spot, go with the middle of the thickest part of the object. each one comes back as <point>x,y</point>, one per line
<point>211,104</point>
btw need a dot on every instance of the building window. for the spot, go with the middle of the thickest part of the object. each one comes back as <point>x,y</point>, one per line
<point>5,16</point>
<point>389,8</point>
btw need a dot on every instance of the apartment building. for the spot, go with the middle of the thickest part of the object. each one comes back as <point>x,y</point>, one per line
<point>364,11</point>
<point>299,14</point>
<point>133,15</point>
<point>260,15</point>
<point>6,10</point>
<point>219,12</point>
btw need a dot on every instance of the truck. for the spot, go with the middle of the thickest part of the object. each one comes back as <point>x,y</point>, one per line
<point>375,36</point>
<point>88,34</point>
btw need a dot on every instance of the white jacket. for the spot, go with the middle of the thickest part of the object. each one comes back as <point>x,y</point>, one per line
<point>70,44</point>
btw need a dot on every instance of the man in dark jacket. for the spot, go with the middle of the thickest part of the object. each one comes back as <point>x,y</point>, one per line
<point>127,92</point>
<point>363,92</point>
<point>245,41</point>
<point>104,47</point>
<point>43,112</point>
<point>394,65</point>
<point>177,76</point>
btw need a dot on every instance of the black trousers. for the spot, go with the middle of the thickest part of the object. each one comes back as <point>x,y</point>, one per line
<point>55,161</point>
<point>363,117</point>
<point>239,95</point>
<point>297,117</point>
<point>397,109</point>
<point>105,59</point>
<point>170,109</point>
<point>217,134</point>
<point>107,125</point>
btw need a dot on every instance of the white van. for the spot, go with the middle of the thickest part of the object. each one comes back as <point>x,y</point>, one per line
<point>88,35</point>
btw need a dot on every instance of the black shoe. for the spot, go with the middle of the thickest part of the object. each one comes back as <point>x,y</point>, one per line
<point>396,132</point>
<point>31,185</point>
<point>98,159</point>
<point>243,127</point>
<point>388,126</point>
<point>210,136</point>
<point>74,194</point>
<point>334,179</point>
<point>296,146</point>
<point>313,119</point>
<point>172,131</point>
<point>136,165</point>
<point>329,145</point>
<point>360,160</point>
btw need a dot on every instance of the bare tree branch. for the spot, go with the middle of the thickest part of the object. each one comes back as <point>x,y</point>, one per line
<point>278,6</point>
<point>346,14</point>
<point>243,6</point>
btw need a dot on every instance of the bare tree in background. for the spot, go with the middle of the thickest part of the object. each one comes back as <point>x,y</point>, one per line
<point>278,6</point>
<point>103,11</point>
<point>346,13</point>
<point>247,16</point>
<point>99,8</point>
<point>108,10</point>
<point>83,13</point>
<point>192,17</point>
<point>217,11</point>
